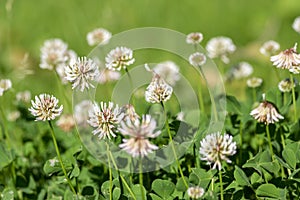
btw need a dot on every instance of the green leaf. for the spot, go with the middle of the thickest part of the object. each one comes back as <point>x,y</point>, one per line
<point>136,189</point>
<point>180,186</point>
<point>295,147</point>
<point>6,156</point>
<point>241,177</point>
<point>290,157</point>
<point>269,190</point>
<point>7,194</point>
<point>155,197</point>
<point>52,166</point>
<point>105,189</point>
<point>201,177</point>
<point>163,188</point>
<point>232,105</point>
<point>255,178</point>
<point>116,193</point>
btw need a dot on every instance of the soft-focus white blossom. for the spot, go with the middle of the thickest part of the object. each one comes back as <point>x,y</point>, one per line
<point>194,38</point>
<point>220,47</point>
<point>99,36</point>
<point>286,85</point>
<point>296,24</point>
<point>269,48</point>
<point>197,59</point>
<point>169,71</point>
<point>81,112</point>
<point>5,84</point>
<point>107,75</point>
<point>195,192</point>
<point>24,96</point>
<point>66,122</point>
<point>254,82</point>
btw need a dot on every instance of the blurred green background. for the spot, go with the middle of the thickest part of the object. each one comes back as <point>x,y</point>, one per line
<point>25,24</point>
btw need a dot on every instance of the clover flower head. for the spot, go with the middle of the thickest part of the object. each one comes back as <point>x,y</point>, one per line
<point>53,53</point>
<point>287,59</point>
<point>195,192</point>
<point>215,148</point>
<point>118,58</point>
<point>129,112</point>
<point>242,70</point>
<point>266,113</point>
<point>81,72</point>
<point>99,36</point>
<point>139,131</point>
<point>269,48</point>
<point>220,47</point>
<point>194,38</point>
<point>105,119</point>
<point>286,85</point>
<point>296,24</point>
<point>81,112</point>
<point>5,84</point>
<point>66,122</point>
<point>158,90</point>
<point>45,107</point>
<point>107,75</point>
<point>197,59</point>
<point>169,71</point>
<point>23,96</point>
<point>254,82</point>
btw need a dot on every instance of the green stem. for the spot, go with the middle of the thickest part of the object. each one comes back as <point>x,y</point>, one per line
<point>122,178</point>
<point>59,158</point>
<point>294,97</point>
<point>201,99</point>
<point>110,173</point>
<point>221,185</point>
<point>141,179</point>
<point>270,143</point>
<point>131,84</point>
<point>4,127</point>
<point>283,147</point>
<point>173,147</point>
<point>62,92</point>
<point>254,95</point>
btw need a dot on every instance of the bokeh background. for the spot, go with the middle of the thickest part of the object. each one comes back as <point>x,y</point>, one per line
<point>26,24</point>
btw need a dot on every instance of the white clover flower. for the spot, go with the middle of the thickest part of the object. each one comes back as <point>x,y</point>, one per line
<point>45,107</point>
<point>105,119</point>
<point>254,82</point>
<point>66,122</point>
<point>197,59</point>
<point>220,47</point>
<point>266,113</point>
<point>139,132</point>
<point>118,58</point>
<point>107,75</point>
<point>287,59</point>
<point>296,24</point>
<point>242,70</point>
<point>81,72</point>
<point>286,85</point>
<point>269,48</point>
<point>158,90</point>
<point>195,192</point>
<point>81,112</point>
<point>215,148</point>
<point>129,113</point>
<point>53,53</point>
<point>169,71</point>
<point>99,36</point>
<point>5,84</point>
<point>13,116</point>
<point>24,96</point>
<point>71,57</point>
<point>194,38</point>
